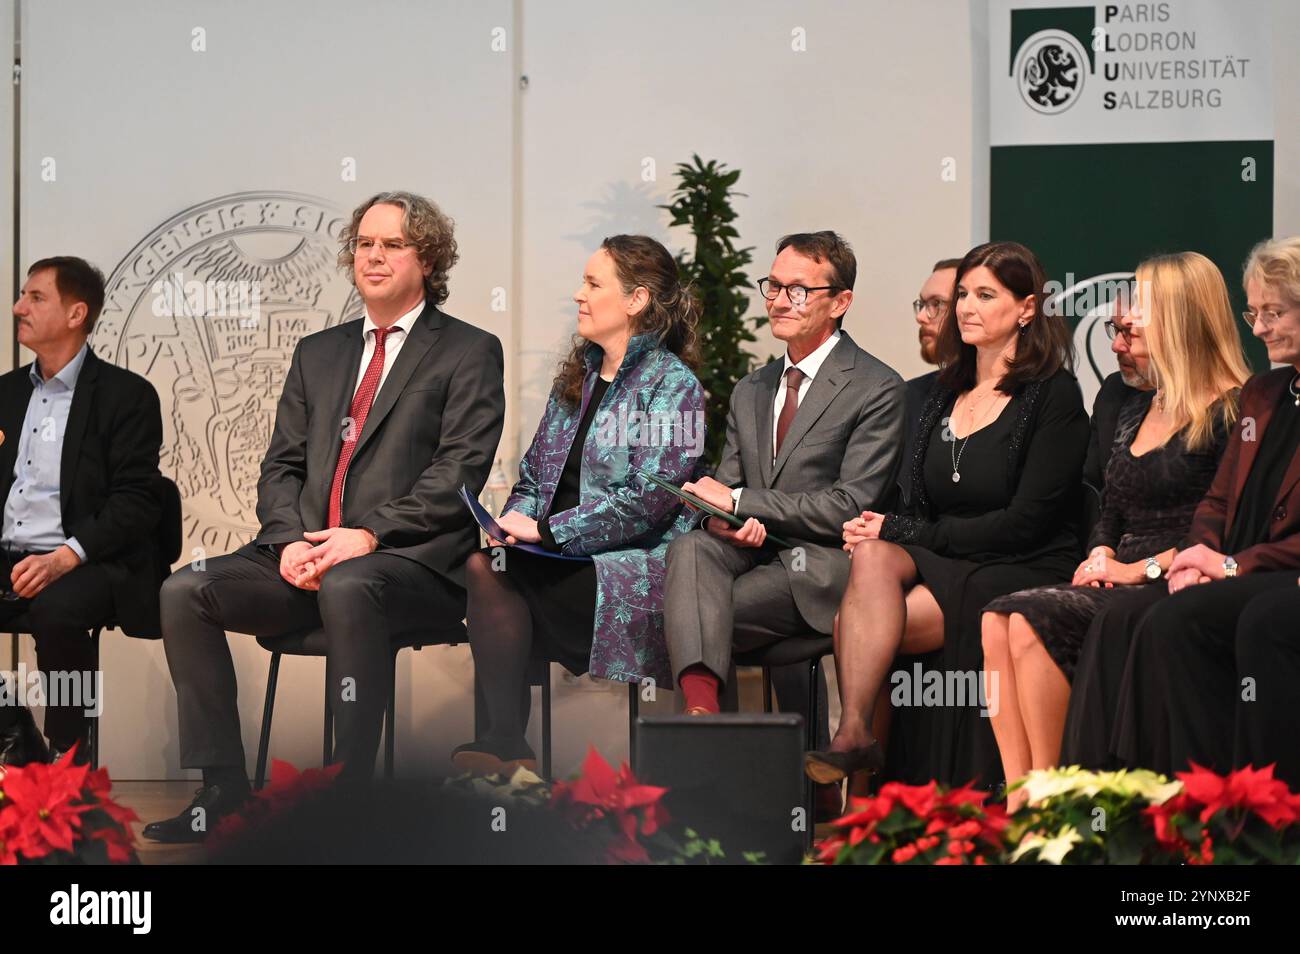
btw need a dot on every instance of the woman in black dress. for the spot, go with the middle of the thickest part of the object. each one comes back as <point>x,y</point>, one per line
<point>1168,443</point>
<point>1212,671</point>
<point>1245,533</point>
<point>996,477</point>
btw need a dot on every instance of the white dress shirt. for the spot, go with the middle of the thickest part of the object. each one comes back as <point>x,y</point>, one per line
<point>392,344</point>
<point>809,366</point>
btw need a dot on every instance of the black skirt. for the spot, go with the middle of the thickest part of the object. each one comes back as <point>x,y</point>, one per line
<point>561,597</point>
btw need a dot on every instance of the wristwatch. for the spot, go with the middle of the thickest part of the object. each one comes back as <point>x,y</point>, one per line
<point>1229,567</point>
<point>1153,570</point>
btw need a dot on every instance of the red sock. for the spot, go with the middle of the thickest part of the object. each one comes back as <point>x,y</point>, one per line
<point>701,688</point>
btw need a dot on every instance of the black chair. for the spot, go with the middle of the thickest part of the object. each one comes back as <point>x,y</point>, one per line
<point>312,643</point>
<point>168,550</point>
<point>808,649</point>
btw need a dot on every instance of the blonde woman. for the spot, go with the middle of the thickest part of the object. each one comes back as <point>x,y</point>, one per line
<point>1168,443</point>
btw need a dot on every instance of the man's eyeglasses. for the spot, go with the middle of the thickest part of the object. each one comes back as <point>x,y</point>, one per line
<point>934,307</point>
<point>1267,316</point>
<point>387,246</point>
<point>798,294</point>
<point>1114,330</point>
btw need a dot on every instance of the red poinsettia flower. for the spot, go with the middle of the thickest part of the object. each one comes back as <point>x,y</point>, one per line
<point>47,799</point>
<point>865,811</point>
<point>1252,789</point>
<point>600,792</point>
<point>828,850</point>
<point>920,800</point>
<point>968,794</point>
<point>8,834</point>
<point>287,788</point>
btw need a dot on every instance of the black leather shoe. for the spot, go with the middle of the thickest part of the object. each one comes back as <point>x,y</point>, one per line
<point>210,804</point>
<point>22,742</point>
<point>828,767</point>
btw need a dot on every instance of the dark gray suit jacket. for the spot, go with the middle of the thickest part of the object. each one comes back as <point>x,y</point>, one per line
<point>840,457</point>
<point>433,426</point>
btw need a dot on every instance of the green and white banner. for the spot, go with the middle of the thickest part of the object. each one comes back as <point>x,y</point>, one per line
<point>1122,130</point>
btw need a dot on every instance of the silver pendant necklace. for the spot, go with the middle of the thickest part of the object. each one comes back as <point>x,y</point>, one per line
<point>1294,393</point>
<point>956,456</point>
<point>953,452</point>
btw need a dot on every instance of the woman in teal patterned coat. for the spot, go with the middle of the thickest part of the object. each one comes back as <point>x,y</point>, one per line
<point>624,400</point>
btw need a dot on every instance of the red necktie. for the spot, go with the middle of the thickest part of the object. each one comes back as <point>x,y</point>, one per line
<point>361,402</point>
<point>793,378</point>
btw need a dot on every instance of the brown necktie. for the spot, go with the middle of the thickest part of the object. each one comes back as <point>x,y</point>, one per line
<point>793,378</point>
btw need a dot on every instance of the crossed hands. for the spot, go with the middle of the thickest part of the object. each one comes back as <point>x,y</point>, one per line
<point>1193,566</point>
<point>865,527</point>
<point>304,562</point>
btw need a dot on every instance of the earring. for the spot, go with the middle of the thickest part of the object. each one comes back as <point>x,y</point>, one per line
<point>1023,325</point>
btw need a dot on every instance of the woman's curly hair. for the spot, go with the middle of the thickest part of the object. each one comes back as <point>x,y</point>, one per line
<point>672,312</point>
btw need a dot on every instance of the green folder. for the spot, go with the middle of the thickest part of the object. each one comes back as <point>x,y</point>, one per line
<point>708,508</point>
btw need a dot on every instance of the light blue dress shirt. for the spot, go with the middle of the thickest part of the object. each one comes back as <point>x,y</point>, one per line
<point>33,520</point>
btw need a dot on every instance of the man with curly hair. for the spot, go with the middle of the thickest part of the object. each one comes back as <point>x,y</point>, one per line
<point>363,535</point>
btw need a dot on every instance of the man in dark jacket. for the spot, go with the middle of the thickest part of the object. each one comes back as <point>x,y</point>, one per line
<point>78,466</point>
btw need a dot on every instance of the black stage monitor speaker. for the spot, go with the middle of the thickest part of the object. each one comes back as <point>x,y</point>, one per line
<point>737,778</point>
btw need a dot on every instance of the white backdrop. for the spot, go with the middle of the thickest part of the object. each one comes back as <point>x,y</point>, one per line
<point>840,115</point>
<point>142,127</point>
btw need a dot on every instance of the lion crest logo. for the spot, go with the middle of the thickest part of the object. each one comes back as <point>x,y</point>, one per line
<point>1050,71</point>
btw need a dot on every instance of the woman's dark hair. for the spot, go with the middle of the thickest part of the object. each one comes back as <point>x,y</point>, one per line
<point>671,312</point>
<point>1045,345</point>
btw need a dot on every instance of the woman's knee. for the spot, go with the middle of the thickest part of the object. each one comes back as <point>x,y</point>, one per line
<point>479,571</point>
<point>877,561</point>
<point>993,635</point>
<point>1022,638</point>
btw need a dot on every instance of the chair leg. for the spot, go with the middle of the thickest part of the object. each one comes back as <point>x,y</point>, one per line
<point>264,739</point>
<point>810,789</point>
<point>390,719</point>
<point>633,712</point>
<point>546,721</point>
<point>328,746</point>
<point>92,730</point>
<point>767,689</point>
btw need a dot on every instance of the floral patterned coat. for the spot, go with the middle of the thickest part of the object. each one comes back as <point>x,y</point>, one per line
<point>651,419</point>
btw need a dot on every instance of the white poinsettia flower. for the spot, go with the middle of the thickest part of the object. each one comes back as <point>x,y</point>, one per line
<point>524,779</point>
<point>1051,850</point>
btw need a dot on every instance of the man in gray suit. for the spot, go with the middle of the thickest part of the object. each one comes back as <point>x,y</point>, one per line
<point>380,423</point>
<point>812,441</point>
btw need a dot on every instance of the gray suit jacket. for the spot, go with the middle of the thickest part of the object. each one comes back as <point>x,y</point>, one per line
<point>433,426</point>
<point>840,457</point>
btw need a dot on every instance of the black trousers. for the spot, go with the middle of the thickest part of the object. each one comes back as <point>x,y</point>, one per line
<point>1212,679</point>
<point>362,604</point>
<point>61,617</point>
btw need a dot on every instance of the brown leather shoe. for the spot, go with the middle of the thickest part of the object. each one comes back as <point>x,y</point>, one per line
<point>483,757</point>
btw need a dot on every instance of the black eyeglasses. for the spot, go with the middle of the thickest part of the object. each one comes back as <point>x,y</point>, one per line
<point>1113,330</point>
<point>798,294</point>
